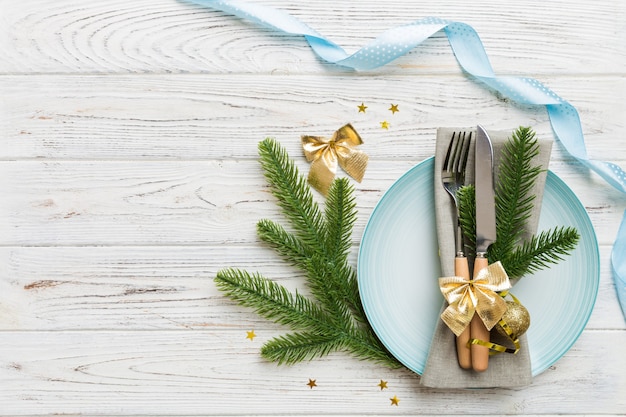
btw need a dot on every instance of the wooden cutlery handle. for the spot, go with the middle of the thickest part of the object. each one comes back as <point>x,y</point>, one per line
<point>461,269</point>
<point>480,354</point>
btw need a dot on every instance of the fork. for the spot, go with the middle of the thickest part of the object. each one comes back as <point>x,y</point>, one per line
<point>453,178</point>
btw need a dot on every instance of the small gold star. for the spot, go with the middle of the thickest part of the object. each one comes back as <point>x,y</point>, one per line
<point>394,108</point>
<point>382,385</point>
<point>394,400</point>
<point>362,108</point>
<point>384,124</point>
<point>311,383</point>
<point>251,335</point>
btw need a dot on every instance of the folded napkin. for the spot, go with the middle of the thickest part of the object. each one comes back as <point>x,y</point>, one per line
<point>442,369</point>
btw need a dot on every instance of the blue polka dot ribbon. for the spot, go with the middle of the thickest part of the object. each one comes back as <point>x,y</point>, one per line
<point>471,56</point>
<point>618,261</point>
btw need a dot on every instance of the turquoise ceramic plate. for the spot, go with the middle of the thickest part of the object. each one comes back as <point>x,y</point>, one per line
<point>398,268</point>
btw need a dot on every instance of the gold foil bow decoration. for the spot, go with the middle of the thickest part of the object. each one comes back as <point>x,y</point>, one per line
<point>475,296</point>
<point>325,154</point>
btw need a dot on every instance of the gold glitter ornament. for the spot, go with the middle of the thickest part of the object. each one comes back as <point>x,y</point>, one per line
<point>517,318</point>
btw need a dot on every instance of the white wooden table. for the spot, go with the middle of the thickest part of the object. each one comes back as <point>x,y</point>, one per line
<point>129,177</point>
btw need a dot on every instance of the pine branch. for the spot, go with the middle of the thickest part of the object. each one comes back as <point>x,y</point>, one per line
<point>295,198</point>
<point>549,247</point>
<point>365,345</point>
<point>320,276</point>
<point>285,243</point>
<point>514,202</point>
<point>340,216</point>
<point>466,196</point>
<point>341,213</point>
<point>292,348</point>
<point>300,346</point>
<point>293,194</point>
<point>271,300</point>
<point>325,286</point>
<point>351,293</point>
<point>319,246</point>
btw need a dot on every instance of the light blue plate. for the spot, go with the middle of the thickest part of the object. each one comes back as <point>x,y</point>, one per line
<point>398,267</point>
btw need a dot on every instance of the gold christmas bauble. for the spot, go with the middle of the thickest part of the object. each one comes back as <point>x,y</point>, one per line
<point>517,318</point>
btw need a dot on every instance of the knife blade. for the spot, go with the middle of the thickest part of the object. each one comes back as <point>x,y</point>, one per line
<point>485,193</point>
<point>485,234</point>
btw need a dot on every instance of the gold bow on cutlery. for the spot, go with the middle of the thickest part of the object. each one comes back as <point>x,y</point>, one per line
<point>475,296</point>
<point>325,154</point>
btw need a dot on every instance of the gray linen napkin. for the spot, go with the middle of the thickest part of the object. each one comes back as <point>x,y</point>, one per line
<point>442,369</point>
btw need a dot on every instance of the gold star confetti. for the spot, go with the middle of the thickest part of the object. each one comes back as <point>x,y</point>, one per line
<point>362,108</point>
<point>384,124</point>
<point>394,108</point>
<point>311,383</point>
<point>251,335</point>
<point>394,400</point>
<point>382,384</point>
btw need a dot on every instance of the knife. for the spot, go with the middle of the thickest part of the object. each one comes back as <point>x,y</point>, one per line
<point>485,234</point>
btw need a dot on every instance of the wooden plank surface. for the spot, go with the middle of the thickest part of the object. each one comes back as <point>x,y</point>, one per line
<point>125,203</point>
<point>85,288</point>
<point>129,177</point>
<point>132,117</point>
<point>198,373</point>
<point>531,36</point>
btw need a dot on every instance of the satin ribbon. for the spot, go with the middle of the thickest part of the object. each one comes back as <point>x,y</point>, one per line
<point>478,296</point>
<point>325,154</point>
<point>495,348</point>
<point>471,56</point>
<point>618,262</point>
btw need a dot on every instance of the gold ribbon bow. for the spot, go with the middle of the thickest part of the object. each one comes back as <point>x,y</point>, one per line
<point>475,296</point>
<point>326,153</point>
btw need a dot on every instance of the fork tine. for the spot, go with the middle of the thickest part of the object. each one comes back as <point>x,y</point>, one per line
<point>458,153</point>
<point>455,161</point>
<point>446,161</point>
<point>464,154</point>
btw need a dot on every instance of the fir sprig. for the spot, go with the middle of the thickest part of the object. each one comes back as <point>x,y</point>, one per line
<point>319,246</point>
<point>466,196</point>
<point>514,204</point>
<point>514,201</point>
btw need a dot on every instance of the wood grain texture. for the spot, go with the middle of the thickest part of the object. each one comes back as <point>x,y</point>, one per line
<point>163,202</point>
<point>164,287</point>
<point>176,36</point>
<point>129,177</point>
<point>225,116</point>
<point>196,373</point>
